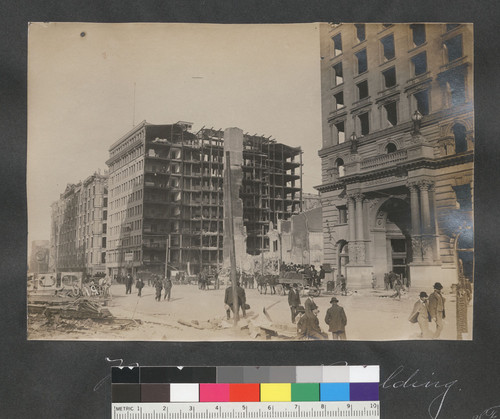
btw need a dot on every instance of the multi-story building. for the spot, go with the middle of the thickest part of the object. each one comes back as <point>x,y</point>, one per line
<point>166,196</point>
<point>78,229</point>
<point>397,154</point>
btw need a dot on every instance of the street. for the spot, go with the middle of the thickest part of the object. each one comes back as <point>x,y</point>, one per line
<point>196,315</point>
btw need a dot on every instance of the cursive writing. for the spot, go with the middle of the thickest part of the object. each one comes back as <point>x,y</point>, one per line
<point>108,377</point>
<point>396,381</point>
<point>491,413</point>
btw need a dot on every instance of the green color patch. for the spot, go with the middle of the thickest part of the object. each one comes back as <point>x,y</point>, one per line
<point>305,392</point>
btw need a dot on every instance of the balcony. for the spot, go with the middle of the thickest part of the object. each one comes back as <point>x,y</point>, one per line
<point>384,160</point>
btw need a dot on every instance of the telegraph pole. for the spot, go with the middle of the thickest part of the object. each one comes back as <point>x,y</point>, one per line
<point>232,250</point>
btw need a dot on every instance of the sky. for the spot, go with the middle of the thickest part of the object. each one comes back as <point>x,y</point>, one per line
<point>89,84</point>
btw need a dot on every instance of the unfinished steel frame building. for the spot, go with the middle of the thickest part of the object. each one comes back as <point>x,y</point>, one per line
<point>166,196</point>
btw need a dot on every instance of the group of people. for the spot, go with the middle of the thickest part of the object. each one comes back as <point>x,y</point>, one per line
<point>308,325</point>
<point>315,277</point>
<point>429,309</point>
<point>158,282</point>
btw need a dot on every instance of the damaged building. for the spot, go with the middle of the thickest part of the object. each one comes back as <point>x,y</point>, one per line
<point>166,196</point>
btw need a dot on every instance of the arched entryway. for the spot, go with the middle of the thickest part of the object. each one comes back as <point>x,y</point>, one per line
<point>342,257</point>
<point>393,236</point>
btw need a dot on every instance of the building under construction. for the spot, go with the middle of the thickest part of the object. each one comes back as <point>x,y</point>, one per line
<point>166,196</point>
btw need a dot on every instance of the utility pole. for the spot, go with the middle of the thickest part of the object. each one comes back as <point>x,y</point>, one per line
<point>232,249</point>
<point>167,254</point>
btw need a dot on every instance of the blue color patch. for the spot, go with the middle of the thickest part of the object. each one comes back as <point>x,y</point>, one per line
<point>334,392</point>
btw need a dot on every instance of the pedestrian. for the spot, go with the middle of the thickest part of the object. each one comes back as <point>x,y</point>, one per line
<point>167,284</point>
<point>139,285</point>
<point>420,314</point>
<point>343,284</point>
<point>158,287</point>
<point>310,305</point>
<point>228,300</point>
<point>128,284</point>
<point>398,285</point>
<point>294,301</point>
<point>321,275</point>
<point>336,320</point>
<point>308,326</point>
<point>374,281</point>
<point>386,281</point>
<point>437,309</point>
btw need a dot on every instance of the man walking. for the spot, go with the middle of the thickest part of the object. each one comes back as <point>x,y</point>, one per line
<point>420,314</point>
<point>308,326</point>
<point>158,287</point>
<point>436,308</point>
<point>294,301</point>
<point>167,284</point>
<point>139,285</point>
<point>336,320</point>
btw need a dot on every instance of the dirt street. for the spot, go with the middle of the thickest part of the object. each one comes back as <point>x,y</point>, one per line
<point>194,314</point>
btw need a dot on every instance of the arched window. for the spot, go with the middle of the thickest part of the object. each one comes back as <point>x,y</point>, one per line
<point>391,148</point>
<point>339,164</point>
<point>459,133</point>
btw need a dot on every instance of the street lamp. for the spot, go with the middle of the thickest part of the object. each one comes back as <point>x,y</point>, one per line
<point>417,120</point>
<point>354,142</point>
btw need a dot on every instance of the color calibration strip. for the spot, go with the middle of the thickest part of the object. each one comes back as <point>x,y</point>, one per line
<point>245,384</point>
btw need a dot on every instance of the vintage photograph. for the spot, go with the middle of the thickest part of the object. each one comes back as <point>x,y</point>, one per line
<point>208,182</point>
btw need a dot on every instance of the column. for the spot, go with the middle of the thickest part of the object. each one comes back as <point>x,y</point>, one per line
<point>424,186</point>
<point>350,218</point>
<point>427,231</point>
<point>359,216</point>
<point>360,232</point>
<point>415,222</point>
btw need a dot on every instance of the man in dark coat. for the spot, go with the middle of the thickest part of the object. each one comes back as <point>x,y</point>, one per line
<point>128,284</point>
<point>158,284</point>
<point>139,285</point>
<point>336,320</point>
<point>310,305</point>
<point>228,300</point>
<point>308,326</point>
<point>421,312</point>
<point>167,284</point>
<point>436,308</point>
<point>294,301</point>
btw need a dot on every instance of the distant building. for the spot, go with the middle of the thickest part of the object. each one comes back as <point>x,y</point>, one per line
<point>298,240</point>
<point>79,227</point>
<point>397,154</point>
<point>166,196</point>
<point>39,256</point>
<point>310,201</point>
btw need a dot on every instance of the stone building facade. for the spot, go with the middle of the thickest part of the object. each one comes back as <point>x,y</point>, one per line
<point>397,152</point>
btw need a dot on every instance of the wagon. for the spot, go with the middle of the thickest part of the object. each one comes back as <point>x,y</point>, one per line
<point>287,279</point>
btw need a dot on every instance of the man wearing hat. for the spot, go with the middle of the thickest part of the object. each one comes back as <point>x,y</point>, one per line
<point>294,301</point>
<point>436,308</point>
<point>420,314</point>
<point>336,320</point>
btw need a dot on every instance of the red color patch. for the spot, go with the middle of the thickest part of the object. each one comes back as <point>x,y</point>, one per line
<point>244,392</point>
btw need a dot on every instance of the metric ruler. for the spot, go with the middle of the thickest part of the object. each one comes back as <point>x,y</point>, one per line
<point>252,410</point>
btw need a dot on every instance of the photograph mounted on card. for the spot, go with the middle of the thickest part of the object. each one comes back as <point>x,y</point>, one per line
<point>207,182</point>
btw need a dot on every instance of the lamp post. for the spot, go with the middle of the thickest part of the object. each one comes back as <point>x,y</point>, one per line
<point>354,142</point>
<point>417,120</point>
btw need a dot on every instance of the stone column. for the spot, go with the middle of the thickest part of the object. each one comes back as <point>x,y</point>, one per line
<point>350,218</point>
<point>359,216</point>
<point>415,222</point>
<point>360,244</point>
<point>424,186</point>
<point>427,230</point>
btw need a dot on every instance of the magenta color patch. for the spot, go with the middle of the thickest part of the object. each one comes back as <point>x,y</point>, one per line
<point>214,392</point>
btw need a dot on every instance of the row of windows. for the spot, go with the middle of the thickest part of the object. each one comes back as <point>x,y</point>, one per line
<point>131,197</point>
<point>137,181</point>
<point>127,143</point>
<point>452,46</point>
<point>119,256</point>
<point>126,227</point>
<point>125,173</point>
<point>129,212</point>
<point>454,95</point>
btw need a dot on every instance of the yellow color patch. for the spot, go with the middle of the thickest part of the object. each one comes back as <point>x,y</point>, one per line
<point>275,392</point>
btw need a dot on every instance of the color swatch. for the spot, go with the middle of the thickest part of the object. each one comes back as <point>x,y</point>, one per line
<point>245,384</point>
